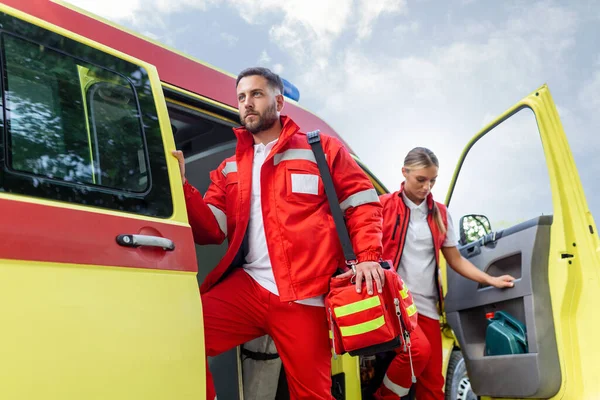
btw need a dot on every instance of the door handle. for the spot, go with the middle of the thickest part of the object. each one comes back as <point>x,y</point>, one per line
<point>145,240</point>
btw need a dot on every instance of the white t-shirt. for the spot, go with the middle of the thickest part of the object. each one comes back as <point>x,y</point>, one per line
<point>258,262</point>
<point>417,265</point>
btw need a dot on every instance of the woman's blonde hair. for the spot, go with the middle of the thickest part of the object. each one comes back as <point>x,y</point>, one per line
<point>419,158</point>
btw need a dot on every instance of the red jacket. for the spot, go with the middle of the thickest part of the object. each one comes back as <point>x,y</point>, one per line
<point>396,216</point>
<point>303,245</point>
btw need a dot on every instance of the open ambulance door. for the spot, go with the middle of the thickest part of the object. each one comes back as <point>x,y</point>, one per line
<point>97,262</point>
<point>519,206</point>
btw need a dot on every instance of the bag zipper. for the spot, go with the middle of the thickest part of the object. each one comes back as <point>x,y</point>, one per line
<point>399,315</point>
<point>332,333</point>
<point>406,336</point>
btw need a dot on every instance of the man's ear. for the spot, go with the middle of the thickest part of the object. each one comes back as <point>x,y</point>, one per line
<point>280,102</point>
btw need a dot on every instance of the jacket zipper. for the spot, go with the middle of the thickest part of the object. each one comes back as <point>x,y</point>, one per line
<point>401,242</point>
<point>437,271</point>
<point>396,227</point>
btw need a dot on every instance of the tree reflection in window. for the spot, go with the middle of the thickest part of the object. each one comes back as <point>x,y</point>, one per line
<point>71,121</point>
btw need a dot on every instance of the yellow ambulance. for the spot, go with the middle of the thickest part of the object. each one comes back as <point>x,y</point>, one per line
<point>99,273</point>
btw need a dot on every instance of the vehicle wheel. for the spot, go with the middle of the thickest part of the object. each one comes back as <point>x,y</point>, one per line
<point>458,386</point>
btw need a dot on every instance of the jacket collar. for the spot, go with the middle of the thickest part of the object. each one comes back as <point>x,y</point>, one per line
<point>246,140</point>
<point>429,198</point>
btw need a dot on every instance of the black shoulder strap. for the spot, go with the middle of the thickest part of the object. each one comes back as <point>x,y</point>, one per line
<point>314,139</point>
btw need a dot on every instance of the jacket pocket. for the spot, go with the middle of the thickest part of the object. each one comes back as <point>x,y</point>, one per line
<point>304,185</point>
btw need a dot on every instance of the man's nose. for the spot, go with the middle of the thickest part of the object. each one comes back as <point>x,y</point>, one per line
<point>248,103</point>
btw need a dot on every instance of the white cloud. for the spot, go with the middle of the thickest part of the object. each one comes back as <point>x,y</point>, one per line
<point>310,27</point>
<point>230,39</point>
<point>488,118</point>
<point>403,29</point>
<point>563,112</point>
<point>370,10</point>
<point>170,6</point>
<point>518,50</point>
<point>477,29</point>
<point>110,9</point>
<point>278,69</point>
<point>589,96</point>
<point>264,58</point>
<point>292,40</point>
<point>307,28</point>
<point>130,9</point>
<point>151,35</point>
<point>319,17</point>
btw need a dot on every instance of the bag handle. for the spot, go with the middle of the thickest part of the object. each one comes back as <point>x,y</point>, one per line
<point>314,139</point>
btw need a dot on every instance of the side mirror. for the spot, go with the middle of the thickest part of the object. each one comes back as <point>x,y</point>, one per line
<point>473,227</point>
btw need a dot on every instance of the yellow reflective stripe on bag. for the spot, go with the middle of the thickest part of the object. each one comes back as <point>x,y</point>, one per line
<point>404,293</point>
<point>357,306</point>
<point>365,327</point>
<point>411,310</point>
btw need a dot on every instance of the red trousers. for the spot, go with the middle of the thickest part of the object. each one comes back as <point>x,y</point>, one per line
<point>426,349</point>
<point>238,310</point>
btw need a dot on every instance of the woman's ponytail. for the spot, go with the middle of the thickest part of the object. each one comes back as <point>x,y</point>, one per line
<point>437,215</point>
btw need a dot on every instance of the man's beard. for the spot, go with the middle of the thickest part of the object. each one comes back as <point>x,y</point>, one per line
<point>262,122</point>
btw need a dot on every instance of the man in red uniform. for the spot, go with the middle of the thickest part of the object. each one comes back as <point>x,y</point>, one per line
<point>269,202</point>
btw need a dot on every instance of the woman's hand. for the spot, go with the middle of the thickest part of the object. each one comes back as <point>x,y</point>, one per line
<point>501,282</point>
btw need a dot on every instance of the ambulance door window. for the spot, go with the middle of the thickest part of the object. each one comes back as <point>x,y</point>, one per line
<point>79,131</point>
<point>504,175</point>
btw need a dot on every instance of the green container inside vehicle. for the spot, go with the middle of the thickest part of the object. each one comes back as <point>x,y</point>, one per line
<point>505,335</point>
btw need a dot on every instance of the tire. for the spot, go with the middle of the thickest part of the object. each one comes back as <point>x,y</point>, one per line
<point>458,386</point>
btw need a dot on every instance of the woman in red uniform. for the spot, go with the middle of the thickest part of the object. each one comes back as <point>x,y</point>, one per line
<point>415,229</point>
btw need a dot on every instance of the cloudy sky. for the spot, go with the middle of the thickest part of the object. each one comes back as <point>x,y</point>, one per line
<point>390,75</point>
